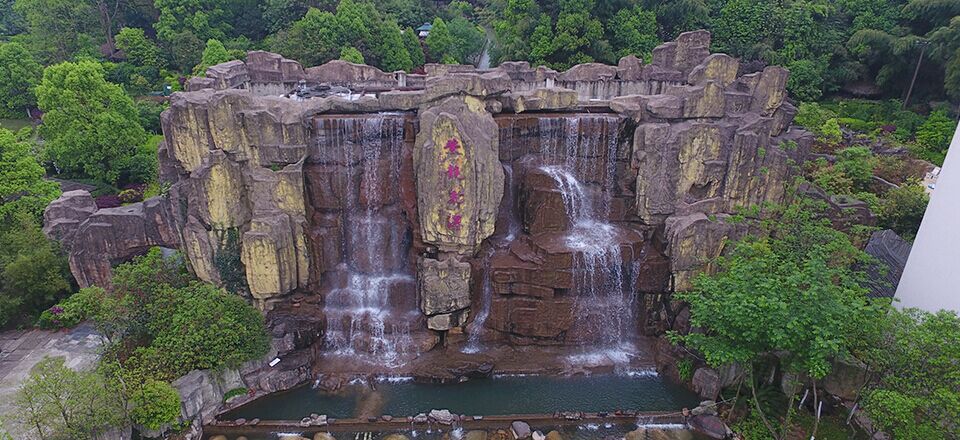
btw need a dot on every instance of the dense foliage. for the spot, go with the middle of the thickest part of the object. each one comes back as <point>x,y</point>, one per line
<point>59,403</point>
<point>792,293</point>
<point>19,74</point>
<point>90,125</point>
<point>161,321</point>
<point>33,274</point>
<point>918,386</point>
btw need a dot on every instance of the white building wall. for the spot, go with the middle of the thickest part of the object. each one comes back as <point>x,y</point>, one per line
<point>931,279</point>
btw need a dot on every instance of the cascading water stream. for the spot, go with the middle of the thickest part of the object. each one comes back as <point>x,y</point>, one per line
<point>586,150</point>
<point>476,329</point>
<point>360,310</point>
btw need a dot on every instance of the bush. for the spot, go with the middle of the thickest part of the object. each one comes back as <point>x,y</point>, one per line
<point>79,307</point>
<point>857,164</point>
<point>830,132</point>
<point>204,327</point>
<point>902,209</point>
<point>352,55</point>
<point>934,136</point>
<point>149,113</point>
<point>812,116</point>
<point>33,273</point>
<point>156,404</point>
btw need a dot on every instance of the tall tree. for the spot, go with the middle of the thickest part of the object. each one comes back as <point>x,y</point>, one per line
<point>795,295</point>
<point>414,49</point>
<point>440,42</point>
<point>19,74</point>
<point>577,35</point>
<point>213,54</point>
<point>633,31</point>
<point>58,29</point>
<point>91,126</point>
<point>138,48</point>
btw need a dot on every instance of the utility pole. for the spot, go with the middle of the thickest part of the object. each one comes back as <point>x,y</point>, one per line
<point>923,47</point>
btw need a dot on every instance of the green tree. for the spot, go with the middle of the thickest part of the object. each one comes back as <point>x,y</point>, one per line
<point>57,29</point>
<point>806,79</point>
<point>11,23</point>
<point>934,136</point>
<point>33,274</point>
<point>205,328</point>
<point>138,48</point>
<point>313,40</point>
<point>91,126</point>
<point>440,42</point>
<point>468,40</point>
<point>857,164</point>
<point>155,404</point>
<point>206,19</point>
<point>675,17</point>
<point>578,36</point>
<point>414,49</point>
<point>791,293</point>
<point>22,184</point>
<point>513,30</point>
<point>58,402</point>
<point>213,54</point>
<point>541,42</point>
<point>919,377</point>
<point>388,48</point>
<point>19,74</point>
<point>352,55</point>
<point>634,32</point>
<point>902,209</point>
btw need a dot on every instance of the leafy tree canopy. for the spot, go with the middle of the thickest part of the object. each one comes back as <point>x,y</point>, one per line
<point>91,126</point>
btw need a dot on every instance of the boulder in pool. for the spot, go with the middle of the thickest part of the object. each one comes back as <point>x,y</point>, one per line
<point>396,436</point>
<point>442,416</point>
<point>323,436</point>
<point>554,435</point>
<point>520,429</point>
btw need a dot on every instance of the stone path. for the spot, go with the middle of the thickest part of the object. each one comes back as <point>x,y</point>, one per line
<point>20,350</point>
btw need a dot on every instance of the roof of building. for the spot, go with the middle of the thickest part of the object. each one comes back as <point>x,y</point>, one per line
<point>425,27</point>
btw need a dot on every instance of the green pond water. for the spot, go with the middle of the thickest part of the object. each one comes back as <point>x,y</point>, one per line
<point>484,397</point>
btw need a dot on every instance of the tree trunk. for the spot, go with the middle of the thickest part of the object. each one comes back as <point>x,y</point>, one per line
<point>816,412</point>
<point>756,403</point>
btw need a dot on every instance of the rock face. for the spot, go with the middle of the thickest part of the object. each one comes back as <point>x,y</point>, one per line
<point>541,207</point>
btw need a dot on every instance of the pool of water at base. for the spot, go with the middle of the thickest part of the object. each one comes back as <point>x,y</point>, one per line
<point>477,397</point>
<point>581,432</point>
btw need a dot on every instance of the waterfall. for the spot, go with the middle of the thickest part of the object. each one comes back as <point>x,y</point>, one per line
<point>583,149</point>
<point>362,319</point>
<point>476,329</point>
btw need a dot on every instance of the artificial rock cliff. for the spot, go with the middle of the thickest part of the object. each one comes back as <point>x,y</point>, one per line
<point>494,201</point>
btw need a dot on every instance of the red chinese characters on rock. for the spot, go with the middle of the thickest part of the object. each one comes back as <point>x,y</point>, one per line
<point>455,156</point>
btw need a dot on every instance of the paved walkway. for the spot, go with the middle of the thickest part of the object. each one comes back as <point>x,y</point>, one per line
<point>20,350</point>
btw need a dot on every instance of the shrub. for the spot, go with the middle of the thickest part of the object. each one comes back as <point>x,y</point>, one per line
<point>80,306</point>
<point>352,55</point>
<point>812,116</point>
<point>902,209</point>
<point>857,164</point>
<point>830,132</point>
<point>934,136</point>
<point>204,327</point>
<point>156,404</point>
<point>685,369</point>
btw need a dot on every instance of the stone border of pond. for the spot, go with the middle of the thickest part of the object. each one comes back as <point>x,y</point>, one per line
<point>382,424</point>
